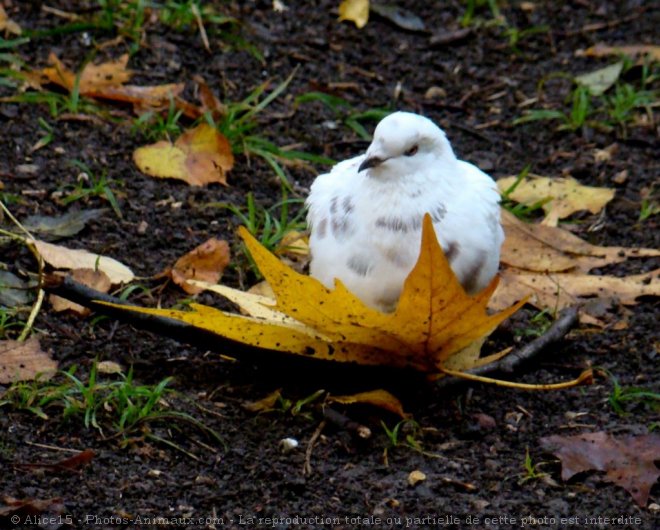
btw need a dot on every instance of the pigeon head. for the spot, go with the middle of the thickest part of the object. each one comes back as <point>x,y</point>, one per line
<point>405,143</point>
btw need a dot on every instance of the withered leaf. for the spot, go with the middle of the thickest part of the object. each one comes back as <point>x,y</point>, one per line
<point>24,361</point>
<point>551,264</point>
<point>199,156</point>
<point>60,226</point>
<point>96,279</point>
<point>564,196</point>
<point>67,258</point>
<point>29,507</point>
<point>13,291</point>
<point>627,461</point>
<point>73,463</point>
<point>206,262</point>
<point>378,398</point>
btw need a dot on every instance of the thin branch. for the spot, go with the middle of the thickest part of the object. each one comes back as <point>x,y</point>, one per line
<point>344,422</point>
<point>307,466</point>
<point>567,319</point>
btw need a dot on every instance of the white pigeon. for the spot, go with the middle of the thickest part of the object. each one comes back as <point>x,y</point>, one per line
<point>366,215</point>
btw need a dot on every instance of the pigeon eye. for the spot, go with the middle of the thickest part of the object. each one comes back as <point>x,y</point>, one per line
<point>412,150</point>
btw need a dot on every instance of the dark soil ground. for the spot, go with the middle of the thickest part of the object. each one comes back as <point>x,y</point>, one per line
<point>474,438</point>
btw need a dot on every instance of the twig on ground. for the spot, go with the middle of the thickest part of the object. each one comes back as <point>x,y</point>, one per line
<point>567,319</point>
<point>344,422</point>
<point>307,466</point>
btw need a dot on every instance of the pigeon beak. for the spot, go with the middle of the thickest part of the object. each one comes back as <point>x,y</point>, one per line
<point>369,162</point>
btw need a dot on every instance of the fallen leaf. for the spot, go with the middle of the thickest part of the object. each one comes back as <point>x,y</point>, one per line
<point>627,461</point>
<point>23,361</point>
<point>415,477</point>
<point>96,279</point>
<point>92,77</point>
<point>599,81</point>
<point>356,11</point>
<point>68,464</point>
<point>61,226</point>
<point>567,195</point>
<point>66,258</point>
<point>551,265</point>
<point>378,398</point>
<point>13,291</point>
<point>445,37</point>
<point>265,404</point>
<point>7,25</point>
<point>633,50</point>
<point>206,262</point>
<point>540,248</point>
<point>399,17</point>
<point>23,508</point>
<point>210,102</point>
<point>434,320</point>
<point>109,367</point>
<point>558,291</point>
<point>293,249</point>
<point>199,156</point>
<point>107,81</point>
<point>294,243</point>
<point>143,98</point>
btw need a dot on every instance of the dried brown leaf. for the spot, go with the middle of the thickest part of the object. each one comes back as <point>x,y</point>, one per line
<point>199,156</point>
<point>206,263</point>
<point>627,461</point>
<point>378,398</point>
<point>23,361</point>
<point>96,279</point>
<point>61,257</point>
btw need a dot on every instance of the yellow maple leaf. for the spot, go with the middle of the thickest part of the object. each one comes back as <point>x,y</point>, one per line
<point>434,320</point>
<point>199,156</point>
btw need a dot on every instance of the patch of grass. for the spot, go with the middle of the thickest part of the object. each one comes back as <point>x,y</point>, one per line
<point>240,124</point>
<point>615,109</point>
<point>48,133</point>
<point>648,209</point>
<point>405,433</point>
<point>473,6</point>
<point>182,16</point>
<point>7,44</point>
<point>538,325</point>
<point>130,20</point>
<point>268,225</point>
<point>531,470</point>
<point>59,104</point>
<point>119,406</point>
<point>127,18</point>
<point>11,198</point>
<point>344,112</point>
<point>572,120</point>
<point>621,397</point>
<point>154,126</point>
<point>10,321</point>
<point>188,15</point>
<point>516,35</point>
<point>522,211</point>
<point>300,407</point>
<point>88,184</point>
<point>626,99</point>
<point>10,71</point>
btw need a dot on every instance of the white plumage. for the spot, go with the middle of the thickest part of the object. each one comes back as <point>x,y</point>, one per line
<point>366,214</point>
